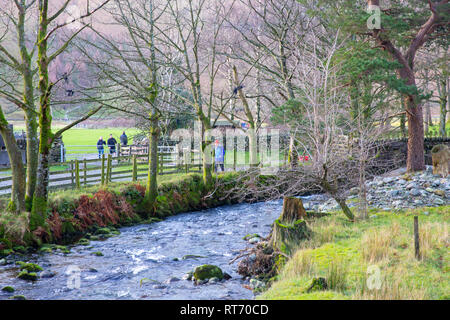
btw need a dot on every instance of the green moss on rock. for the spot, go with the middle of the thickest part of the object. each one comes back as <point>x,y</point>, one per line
<point>29,267</point>
<point>207,271</point>
<point>8,289</point>
<point>103,231</point>
<point>84,242</point>
<point>29,276</point>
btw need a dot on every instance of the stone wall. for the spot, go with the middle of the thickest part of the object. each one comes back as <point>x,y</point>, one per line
<point>394,152</point>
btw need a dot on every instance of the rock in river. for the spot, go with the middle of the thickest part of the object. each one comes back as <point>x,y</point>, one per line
<point>207,271</point>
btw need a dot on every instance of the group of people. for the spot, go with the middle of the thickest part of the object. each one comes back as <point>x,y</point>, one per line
<point>219,151</point>
<point>111,143</point>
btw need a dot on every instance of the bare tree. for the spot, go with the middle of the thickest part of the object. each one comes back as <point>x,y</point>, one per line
<point>270,31</point>
<point>192,32</point>
<point>324,133</point>
<point>132,72</point>
<point>47,27</point>
<point>17,83</point>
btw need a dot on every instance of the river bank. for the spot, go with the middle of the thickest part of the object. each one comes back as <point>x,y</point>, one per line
<point>374,258</point>
<point>74,214</point>
<point>148,261</point>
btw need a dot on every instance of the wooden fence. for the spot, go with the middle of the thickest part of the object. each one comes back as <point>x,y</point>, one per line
<point>80,173</point>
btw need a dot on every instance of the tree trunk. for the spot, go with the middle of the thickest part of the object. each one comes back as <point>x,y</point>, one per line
<point>416,157</point>
<point>32,157</point>
<point>152,183</point>
<point>428,120</point>
<point>28,107</point>
<point>293,154</point>
<point>206,157</point>
<point>40,197</point>
<point>293,210</point>
<point>403,125</point>
<point>362,189</point>
<point>17,203</point>
<point>342,203</point>
<point>252,146</point>
<point>443,96</point>
<point>290,227</point>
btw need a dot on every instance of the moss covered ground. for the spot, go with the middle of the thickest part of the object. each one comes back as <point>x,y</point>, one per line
<point>370,259</point>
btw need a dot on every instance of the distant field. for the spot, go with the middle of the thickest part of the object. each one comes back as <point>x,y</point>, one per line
<point>87,137</point>
<point>91,136</point>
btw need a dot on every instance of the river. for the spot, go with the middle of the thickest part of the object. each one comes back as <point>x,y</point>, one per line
<point>154,253</point>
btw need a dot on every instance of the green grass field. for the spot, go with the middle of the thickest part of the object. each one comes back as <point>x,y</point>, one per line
<point>87,138</point>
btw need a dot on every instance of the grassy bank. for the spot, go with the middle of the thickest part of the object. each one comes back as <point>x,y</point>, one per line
<point>348,254</point>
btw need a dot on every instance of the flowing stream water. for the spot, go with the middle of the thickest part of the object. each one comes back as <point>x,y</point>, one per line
<point>148,252</point>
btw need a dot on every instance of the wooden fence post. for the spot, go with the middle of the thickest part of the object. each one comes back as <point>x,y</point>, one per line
<point>108,170</point>
<point>103,169</point>
<point>77,173</point>
<point>72,179</point>
<point>234,153</point>
<point>186,164</point>
<point>118,153</point>
<point>134,168</point>
<point>416,237</point>
<point>85,172</point>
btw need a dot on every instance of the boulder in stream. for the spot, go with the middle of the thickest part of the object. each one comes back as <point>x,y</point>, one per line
<point>207,271</point>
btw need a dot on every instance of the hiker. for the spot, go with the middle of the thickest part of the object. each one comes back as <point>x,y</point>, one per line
<point>100,148</point>
<point>219,157</point>
<point>124,139</point>
<point>112,144</point>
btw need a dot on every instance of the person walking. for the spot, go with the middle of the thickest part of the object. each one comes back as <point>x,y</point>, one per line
<point>219,156</point>
<point>100,144</point>
<point>124,139</point>
<point>112,144</point>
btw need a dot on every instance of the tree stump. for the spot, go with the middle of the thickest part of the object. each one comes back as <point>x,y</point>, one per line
<point>290,227</point>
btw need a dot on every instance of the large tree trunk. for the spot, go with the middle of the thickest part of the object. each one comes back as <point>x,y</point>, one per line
<point>17,203</point>
<point>152,181</point>
<point>290,228</point>
<point>32,157</point>
<point>40,197</point>
<point>28,107</point>
<point>416,157</point>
